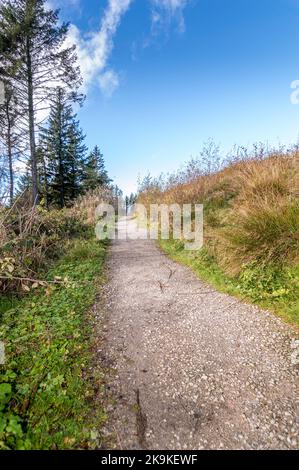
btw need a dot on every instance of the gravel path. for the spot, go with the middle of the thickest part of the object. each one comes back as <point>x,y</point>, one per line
<point>194,368</point>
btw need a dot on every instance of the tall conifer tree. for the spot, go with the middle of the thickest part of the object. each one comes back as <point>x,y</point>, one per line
<point>63,144</point>
<point>35,62</point>
<point>95,173</point>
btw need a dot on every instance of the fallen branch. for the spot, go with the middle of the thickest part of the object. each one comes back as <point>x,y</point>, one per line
<point>27,279</point>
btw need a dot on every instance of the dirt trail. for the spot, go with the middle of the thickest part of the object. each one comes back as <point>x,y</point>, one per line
<point>194,368</point>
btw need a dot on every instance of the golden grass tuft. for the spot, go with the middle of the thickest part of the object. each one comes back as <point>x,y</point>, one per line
<point>251,210</point>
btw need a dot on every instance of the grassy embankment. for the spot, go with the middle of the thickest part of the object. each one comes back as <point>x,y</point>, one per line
<point>51,274</point>
<point>251,231</point>
<point>254,286</point>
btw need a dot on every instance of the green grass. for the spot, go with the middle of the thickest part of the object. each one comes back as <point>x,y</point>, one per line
<point>47,392</point>
<point>270,288</point>
<point>7,303</point>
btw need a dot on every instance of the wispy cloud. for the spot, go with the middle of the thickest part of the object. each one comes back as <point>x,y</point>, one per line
<point>165,12</point>
<point>94,49</point>
<point>109,82</point>
<point>166,15</point>
<point>60,3</point>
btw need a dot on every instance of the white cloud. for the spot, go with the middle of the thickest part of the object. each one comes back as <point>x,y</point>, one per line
<point>164,12</point>
<point>109,82</point>
<point>94,50</point>
<point>60,3</point>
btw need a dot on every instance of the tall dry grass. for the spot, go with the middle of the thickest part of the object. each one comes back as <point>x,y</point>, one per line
<point>31,238</point>
<point>251,209</point>
<point>85,206</point>
<point>263,221</point>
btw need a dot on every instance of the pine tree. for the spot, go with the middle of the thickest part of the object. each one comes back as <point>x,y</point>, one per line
<point>132,199</point>
<point>64,152</point>
<point>35,62</point>
<point>95,173</point>
<point>42,172</point>
<point>55,141</point>
<point>24,182</point>
<point>9,135</point>
<point>75,157</point>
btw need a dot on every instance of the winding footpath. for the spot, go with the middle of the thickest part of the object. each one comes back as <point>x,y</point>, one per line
<point>193,368</point>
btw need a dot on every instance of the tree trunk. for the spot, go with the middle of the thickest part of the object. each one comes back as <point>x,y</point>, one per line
<point>61,181</point>
<point>61,166</point>
<point>11,175</point>
<point>31,126</point>
<point>73,189</point>
<point>9,155</point>
<point>45,183</point>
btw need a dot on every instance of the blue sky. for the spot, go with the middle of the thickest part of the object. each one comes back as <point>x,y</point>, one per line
<point>162,77</point>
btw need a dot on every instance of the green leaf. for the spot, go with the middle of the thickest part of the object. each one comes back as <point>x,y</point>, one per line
<point>14,427</point>
<point>5,393</point>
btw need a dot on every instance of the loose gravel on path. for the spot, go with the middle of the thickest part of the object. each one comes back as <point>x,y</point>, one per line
<point>193,368</point>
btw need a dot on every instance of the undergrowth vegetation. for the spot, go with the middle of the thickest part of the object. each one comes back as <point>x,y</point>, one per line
<point>251,225</point>
<point>31,238</point>
<point>51,269</point>
<point>47,392</point>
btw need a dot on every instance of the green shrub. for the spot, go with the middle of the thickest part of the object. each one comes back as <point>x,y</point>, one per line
<point>32,240</point>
